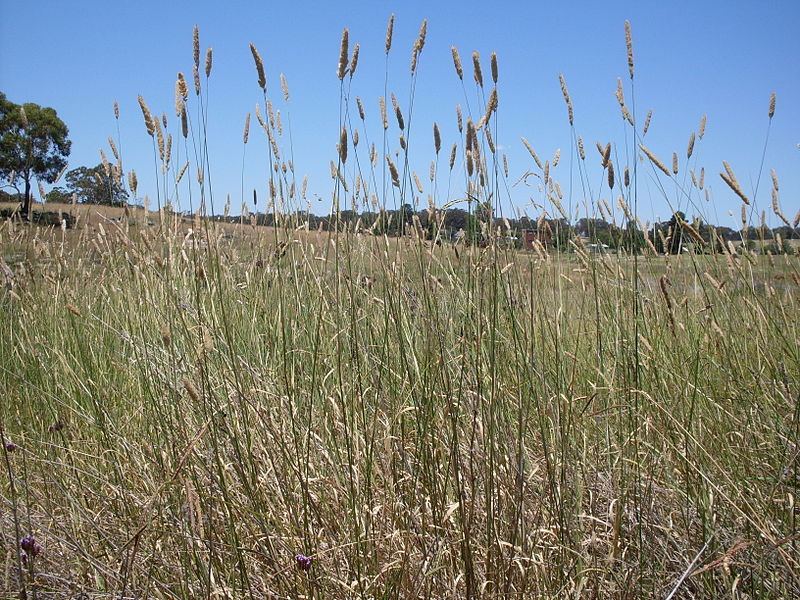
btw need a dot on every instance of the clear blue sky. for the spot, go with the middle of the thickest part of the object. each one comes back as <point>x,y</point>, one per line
<point>718,58</point>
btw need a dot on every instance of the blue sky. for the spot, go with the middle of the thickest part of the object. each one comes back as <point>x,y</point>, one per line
<point>717,58</point>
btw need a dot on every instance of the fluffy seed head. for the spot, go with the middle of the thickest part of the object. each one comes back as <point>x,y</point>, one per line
<point>343,145</point>
<point>730,178</point>
<point>655,160</point>
<point>476,68</point>
<point>611,175</point>
<point>494,67</point>
<point>385,119</point>
<point>418,45</point>
<point>647,122</point>
<point>196,74</point>
<point>209,56</point>
<point>532,153</point>
<point>775,183</point>
<point>675,163</point>
<point>184,123</point>
<point>159,138</point>
<point>437,138</point>
<point>453,156</point>
<point>342,69</point>
<point>389,30</point>
<point>457,62</point>
<point>148,117</point>
<point>393,171</point>
<point>489,140</point>
<point>690,147</point>
<point>115,152</point>
<point>284,87</point>
<point>629,46</point>
<point>398,113</point>
<point>116,110</point>
<point>565,93</point>
<point>581,151</point>
<point>246,133</point>
<point>702,129</point>
<point>771,105</point>
<point>181,88</point>
<point>491,106</point>
<point>262,79</point>
<point>360,108</point>
<point>353,61</point>
<point>196,45</point>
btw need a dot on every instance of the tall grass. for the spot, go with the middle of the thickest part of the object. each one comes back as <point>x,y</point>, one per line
<point>196,409</point>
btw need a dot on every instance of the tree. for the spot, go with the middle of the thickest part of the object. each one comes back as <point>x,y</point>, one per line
<point>96,186</point>
<point>33,143</point>
<point>58,195</point>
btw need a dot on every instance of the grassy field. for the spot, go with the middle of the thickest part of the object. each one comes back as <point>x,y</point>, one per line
<point>246,412</point>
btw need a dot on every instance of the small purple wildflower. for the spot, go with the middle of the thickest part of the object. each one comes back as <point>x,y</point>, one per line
<point>303,561</point>
<point>30,546</point>
<point>11,447</point>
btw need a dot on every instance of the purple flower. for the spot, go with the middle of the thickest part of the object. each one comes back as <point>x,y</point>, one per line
<point>30,546</point>
<point>11,446</point>
<point>303,561</point>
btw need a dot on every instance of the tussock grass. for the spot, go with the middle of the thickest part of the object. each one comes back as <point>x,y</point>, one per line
<point>194,404</point>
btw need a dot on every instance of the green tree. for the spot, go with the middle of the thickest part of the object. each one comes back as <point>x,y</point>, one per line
<point>93,185</point>
<point>58,195</point>
<point>33,143</point>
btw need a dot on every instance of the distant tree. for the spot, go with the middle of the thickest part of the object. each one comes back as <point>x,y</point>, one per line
<point>33,143</point>
<point>95,186</point>
<point>58,195</point>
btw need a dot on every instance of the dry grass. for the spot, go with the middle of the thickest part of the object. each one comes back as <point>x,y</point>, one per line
<point>193,405</point>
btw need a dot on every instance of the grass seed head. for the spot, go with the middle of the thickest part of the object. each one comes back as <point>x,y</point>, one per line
<point>647,122</point>
<point>196,45</point>
<point>342,68</point>
<point>353,61</point>
<point>476,68</point>
<point>148,117</point>
<point>389,31</point>
<point>629,46</point>
<point>565,93</point>
<point>209,59</point>
<point>262,79</point>
<point>457,62</point>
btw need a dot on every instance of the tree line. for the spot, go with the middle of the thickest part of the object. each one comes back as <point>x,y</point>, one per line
<point>34,144</point>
